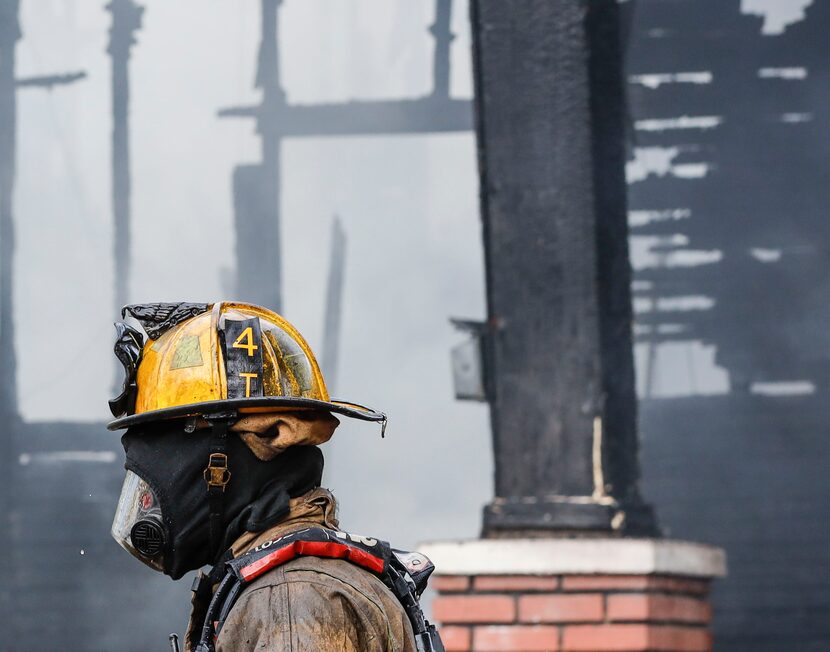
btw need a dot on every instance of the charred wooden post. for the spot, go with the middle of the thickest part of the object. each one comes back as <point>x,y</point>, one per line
<point>256,187</point>
<point>550,124</point>
<point>334,304</point>
<point>9,35</point>
<point>444,37</point>
<point>126,21</point>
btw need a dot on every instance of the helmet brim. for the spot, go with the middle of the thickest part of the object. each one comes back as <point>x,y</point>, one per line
<point>247,405</point>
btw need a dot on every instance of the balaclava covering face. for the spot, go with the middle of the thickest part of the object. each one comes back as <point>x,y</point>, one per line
<point>172,462</point>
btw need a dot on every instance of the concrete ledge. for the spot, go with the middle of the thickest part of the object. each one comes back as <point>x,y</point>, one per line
<point>575,557</point>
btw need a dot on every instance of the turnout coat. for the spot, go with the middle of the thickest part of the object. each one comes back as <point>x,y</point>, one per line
<point>310,604</point>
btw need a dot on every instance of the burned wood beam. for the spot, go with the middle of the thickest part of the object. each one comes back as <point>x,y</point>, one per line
<point>334,302</point>
<point>9,36</point>
<point>50,81</point>
<point>444,37</point>
<point>551,136</point>
<point>423,115</point>
<point>126,21</point>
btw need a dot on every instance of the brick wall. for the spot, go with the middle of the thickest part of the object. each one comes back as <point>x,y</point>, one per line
<point>596,613</point>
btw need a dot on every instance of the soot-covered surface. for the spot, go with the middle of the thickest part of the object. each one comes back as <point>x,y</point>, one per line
<point>728,197</point>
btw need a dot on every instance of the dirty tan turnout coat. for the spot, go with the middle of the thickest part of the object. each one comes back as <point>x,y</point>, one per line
<point>312,604</point>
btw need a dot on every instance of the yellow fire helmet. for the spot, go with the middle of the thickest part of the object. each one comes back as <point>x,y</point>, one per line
<point>204,359</point>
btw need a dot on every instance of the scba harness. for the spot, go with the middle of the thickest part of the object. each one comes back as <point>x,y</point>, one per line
<point>404,573</point>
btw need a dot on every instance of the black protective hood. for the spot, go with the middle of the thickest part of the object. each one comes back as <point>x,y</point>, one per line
<point>172,462</point>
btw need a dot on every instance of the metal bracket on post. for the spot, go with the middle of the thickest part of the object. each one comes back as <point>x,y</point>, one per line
<point>469,372</point>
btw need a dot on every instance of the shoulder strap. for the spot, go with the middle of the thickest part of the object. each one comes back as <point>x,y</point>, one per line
<point>371,554</point>
<point>404,573</point>
<point>406,591</point>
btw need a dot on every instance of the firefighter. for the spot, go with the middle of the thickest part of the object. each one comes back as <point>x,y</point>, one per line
<point>224,406</point>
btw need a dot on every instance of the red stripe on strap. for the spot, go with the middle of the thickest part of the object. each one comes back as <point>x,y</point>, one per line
<point>328,549</point>
<point>268,562</point>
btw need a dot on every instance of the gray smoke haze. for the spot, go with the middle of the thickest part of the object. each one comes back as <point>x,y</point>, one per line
<point>408,203</point>
<point>414,257</point>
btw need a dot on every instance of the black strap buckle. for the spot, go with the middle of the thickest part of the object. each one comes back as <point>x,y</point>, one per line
<point>217,474</point>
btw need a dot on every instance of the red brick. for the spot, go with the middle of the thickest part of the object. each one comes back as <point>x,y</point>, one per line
<point>558,608</point>
<point>450,583</point>
<point>605,582</point>
<point>456,639</point>
<point>474,609</point>
<point>656,607</point>
<point>635,583</point>
<point>516,583</point>
<point>634,638</point>
<point>689,585</point>
<point>680,639</point>
<point>518,638</point>
<point>608,638</point>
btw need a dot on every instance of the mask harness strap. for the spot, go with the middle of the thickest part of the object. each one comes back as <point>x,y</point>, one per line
<point>217,477</point>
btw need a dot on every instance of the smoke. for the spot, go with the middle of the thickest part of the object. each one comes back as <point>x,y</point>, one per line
<point>408,204</point>
<point>777,15</point>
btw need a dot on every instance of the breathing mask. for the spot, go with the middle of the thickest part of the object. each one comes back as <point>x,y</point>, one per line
<point>138,526</point>
<point>165,516</point>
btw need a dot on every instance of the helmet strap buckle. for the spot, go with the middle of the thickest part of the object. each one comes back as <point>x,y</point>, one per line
<point>217,474</point>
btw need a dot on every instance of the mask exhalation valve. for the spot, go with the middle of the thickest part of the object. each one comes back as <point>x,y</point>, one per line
<point>147,537</point>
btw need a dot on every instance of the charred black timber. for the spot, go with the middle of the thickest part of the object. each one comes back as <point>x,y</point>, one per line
<point>257,233</point>
<point>126,21</point>
<point>334,303</point>
<point>256,187</point>
<point>9,35</point>
<point>49,81</point>
<point>443,36</point>
<point>420,115</point>
<point>551,135</point>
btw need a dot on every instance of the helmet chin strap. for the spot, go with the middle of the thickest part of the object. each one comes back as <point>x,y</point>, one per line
<point>217,476</point>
